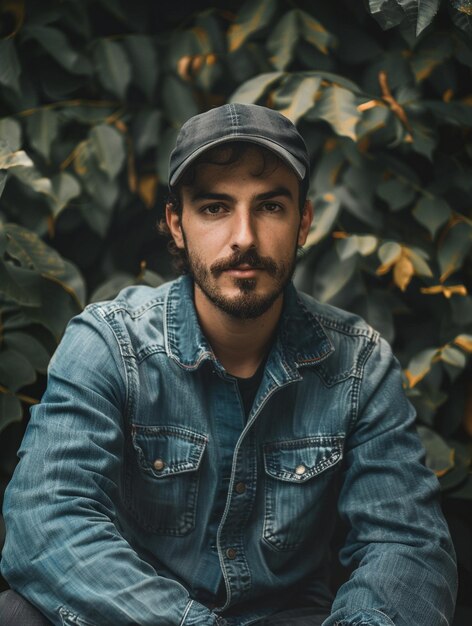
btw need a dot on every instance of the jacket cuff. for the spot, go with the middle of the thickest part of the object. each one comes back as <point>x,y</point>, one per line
<point>197,614</point>
<point>364,617</point>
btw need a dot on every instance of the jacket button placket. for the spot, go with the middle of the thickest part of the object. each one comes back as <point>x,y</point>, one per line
<point>239,506</point>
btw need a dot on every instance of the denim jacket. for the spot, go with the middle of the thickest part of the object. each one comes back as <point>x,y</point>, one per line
<point>109,508</point>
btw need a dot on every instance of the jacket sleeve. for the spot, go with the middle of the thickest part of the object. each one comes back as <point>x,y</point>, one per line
<point>398,540</point>
<point>63,551</point>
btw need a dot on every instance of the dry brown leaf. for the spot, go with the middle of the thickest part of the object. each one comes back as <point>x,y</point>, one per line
<point>464,342</point>
<point>403,272</point>
<point>183,67</point>
<point>446,290</point>
<point>147,188</point>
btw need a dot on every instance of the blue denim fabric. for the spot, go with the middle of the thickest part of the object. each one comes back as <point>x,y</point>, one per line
<point>120,469</point>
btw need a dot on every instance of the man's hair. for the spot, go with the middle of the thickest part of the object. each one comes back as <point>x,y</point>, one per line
<point>226,154</point>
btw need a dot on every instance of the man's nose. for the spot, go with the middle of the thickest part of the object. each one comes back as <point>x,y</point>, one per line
<point>244,231</point>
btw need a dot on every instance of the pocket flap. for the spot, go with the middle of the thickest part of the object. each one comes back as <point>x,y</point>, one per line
<point>166,450</point>
<point>299,460</point>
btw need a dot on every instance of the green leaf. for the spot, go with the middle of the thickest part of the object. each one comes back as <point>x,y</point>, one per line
<point>283,39</point>
<point>432,213</point>
<point>387,13</point>
<point>15,159</point>
<point>15,370</point>
<point>356,244</point>
<point>337,106</point>
<point>427,11</point>
<point>372,120</point>
<point>420,365</point>
<point>454,248</point>
<point>113,66</point>
<point>57,45</point>
<point>112,286</point>
<point>42,129</point>
<point>424,139</point>
<point>10,133</point>
<point>396,193</point>
<point>389,252</point>
<point>33,254</point>
<point>417,258</point>
<point>302,98</point>
<point>109,147</point>
<point>10,68</point>
<point>326,210</point>
<point>144,61</point>
<point>98,216</point>
<point>453,356</point>
<point>59,303</point>
<point>331,276</point>
<point>439,456</point>
<point>254,16</point>
<point>254,89</point>
<point>461,16</point>
<point>457,113</point>
<point>329,164</point>
<point>3,180</point>
<point>27,345</point>
<point>146,130</point>
<point>179,103</point>
<point>431,53</point>
<point>65,187</point>
<point>19,285</point>
<point>10,410</point>
<point>315,33</point>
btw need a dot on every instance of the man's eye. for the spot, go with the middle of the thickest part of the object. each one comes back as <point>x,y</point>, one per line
<point>213,209</point>
<point>271,207</point>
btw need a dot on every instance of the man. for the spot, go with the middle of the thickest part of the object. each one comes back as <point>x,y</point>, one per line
<point>194,441</point>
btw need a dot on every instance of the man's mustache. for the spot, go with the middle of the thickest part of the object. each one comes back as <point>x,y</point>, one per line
<point>250,258</point>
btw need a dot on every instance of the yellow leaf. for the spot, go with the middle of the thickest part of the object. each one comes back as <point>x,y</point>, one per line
<point>183,67</point>
<point>464,342</point>
<point>147,188</point>
<point>403,272</point>
<point>446,290</point>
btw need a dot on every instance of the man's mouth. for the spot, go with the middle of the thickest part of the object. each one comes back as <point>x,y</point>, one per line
<point>243,271</point>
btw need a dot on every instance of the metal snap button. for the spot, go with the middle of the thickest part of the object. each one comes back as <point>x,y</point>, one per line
<point>240,488</point>
<point>231,553</point>
<point>159,465</point>
<point>300,470</point>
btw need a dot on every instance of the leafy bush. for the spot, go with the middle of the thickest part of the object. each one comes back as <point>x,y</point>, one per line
<point>93,94</point>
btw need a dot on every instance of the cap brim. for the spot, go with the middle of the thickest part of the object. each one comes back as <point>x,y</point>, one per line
<point>297,166</point>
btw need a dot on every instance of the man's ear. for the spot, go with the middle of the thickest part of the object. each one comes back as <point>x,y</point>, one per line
<point>305,224</point>
<point>173,220</point>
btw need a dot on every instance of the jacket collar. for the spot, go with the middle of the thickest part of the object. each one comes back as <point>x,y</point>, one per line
<point>301,339</point>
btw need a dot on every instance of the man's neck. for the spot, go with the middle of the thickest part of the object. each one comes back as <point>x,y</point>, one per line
<point>239,345</point>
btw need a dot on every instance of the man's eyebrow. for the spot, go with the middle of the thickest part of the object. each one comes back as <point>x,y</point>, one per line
<point>209,195</point>
<point>201,194</point>
<point>273,193</point>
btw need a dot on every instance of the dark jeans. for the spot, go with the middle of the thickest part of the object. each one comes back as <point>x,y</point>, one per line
<point>16,611</point>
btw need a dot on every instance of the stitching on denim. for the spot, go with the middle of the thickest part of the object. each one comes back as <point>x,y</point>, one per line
<point>363,357</point>
<point>184,616</point>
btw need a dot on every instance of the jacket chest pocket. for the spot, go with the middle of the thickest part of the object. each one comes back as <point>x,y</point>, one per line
<point>161,483</point>
<point>297,475</point>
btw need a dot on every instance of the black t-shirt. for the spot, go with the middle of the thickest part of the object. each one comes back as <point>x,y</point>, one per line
<point>248,387</point>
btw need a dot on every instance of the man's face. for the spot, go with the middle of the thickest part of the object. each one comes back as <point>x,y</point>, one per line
<point>240,230</point>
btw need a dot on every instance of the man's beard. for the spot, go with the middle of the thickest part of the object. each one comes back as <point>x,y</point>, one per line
<point>247,304</point>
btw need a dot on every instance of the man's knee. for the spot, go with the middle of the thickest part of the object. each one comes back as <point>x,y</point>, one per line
<point>15,610</point>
